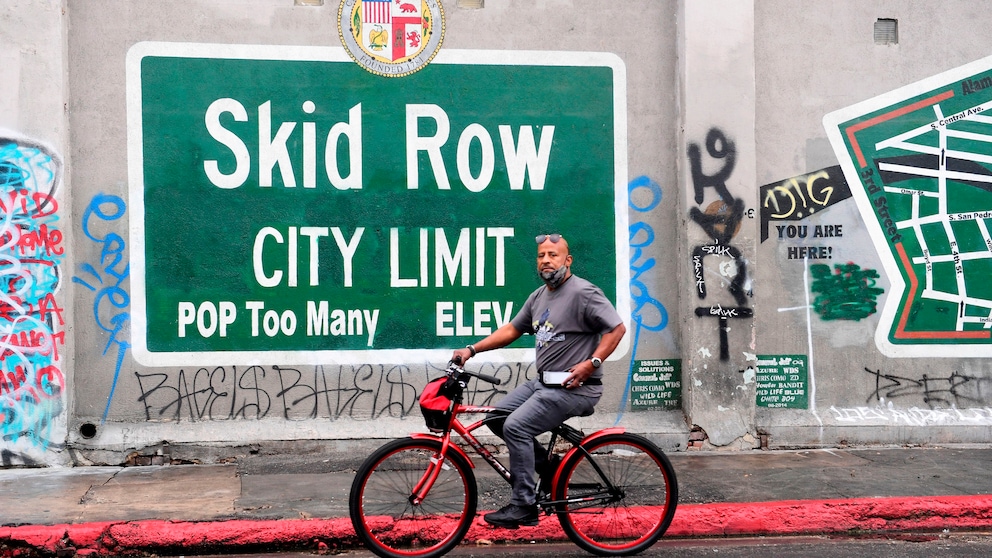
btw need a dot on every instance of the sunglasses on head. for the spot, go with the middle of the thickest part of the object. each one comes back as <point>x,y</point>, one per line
<point>554,238</point>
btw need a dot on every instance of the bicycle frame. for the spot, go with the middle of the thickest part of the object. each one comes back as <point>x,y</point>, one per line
<point>465,431</point>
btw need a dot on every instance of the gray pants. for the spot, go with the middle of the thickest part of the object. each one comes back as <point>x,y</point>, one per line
<point>535,410</point>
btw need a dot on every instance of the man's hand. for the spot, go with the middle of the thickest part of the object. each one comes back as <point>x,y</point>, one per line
<point>579,374</point>
<point>461,356</point>
<point>584,370</point>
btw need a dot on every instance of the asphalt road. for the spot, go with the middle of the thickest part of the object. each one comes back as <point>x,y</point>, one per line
<point>924,545</point>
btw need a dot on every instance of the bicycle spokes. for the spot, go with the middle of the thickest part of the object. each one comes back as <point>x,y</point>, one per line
<point>618,497</point>
<point>407,502</point>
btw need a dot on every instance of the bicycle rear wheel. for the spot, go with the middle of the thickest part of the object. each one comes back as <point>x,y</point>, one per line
<point>382,507</point>
<point>632,515</point>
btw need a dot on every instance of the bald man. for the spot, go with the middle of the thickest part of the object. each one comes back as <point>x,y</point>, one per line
<point>575,328</point>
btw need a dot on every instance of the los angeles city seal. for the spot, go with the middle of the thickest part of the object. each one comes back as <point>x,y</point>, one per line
<point>391,38</point>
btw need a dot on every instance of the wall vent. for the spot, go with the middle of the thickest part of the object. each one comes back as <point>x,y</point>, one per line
<point>886,31</point>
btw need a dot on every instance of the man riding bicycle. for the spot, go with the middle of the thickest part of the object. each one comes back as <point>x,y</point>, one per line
<point>576,328</point>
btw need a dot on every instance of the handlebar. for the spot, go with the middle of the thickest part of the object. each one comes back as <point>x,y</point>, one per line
<point>455,370</point>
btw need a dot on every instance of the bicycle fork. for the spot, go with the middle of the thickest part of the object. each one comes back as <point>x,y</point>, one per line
<point>426,482</point>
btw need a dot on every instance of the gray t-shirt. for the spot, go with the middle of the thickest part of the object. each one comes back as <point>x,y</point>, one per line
<point>568,323</point>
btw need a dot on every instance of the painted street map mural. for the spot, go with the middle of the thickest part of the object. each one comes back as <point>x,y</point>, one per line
<point>919,164</point>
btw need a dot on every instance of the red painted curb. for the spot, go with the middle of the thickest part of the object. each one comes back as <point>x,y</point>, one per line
<point>691,520</point>
<point>794,517</point>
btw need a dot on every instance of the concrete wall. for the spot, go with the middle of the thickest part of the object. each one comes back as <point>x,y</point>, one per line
<point>229,404</point>
<point>724,98</point>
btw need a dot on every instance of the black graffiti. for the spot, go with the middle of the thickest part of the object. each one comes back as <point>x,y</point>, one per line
<point>386,391</point>
<point>361,391</point>
<point>718,147</point>
<point>204,394</point>
<point>736,287</point>
<point>954,389</point>
<point>721,221</point>
<point>307,393</point>
<point>724,314</point>
<point>722,224</point>
<point>510,375</point>
<point>12,459</point>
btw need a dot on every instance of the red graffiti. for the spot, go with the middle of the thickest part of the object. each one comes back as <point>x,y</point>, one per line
<point>47,383</point>
<point>48,306</point>
<point>36,204</point>
<point>12,382</point>
<point>47,309</point>
<point>31,382</point>
<point>36,342</point>
<point>29,241</point>
<point>50,381</point>
<point>45,205</point>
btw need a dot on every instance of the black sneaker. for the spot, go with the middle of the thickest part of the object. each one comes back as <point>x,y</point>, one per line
<point>512,516</point>
<point>548,474</point>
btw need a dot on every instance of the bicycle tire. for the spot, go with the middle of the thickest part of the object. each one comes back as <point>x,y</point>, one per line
<point>384,517</point>
<point>625,523</point>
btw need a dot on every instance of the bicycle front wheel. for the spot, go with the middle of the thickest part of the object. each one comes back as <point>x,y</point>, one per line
<point>385,509</point>
<point>620,498</point>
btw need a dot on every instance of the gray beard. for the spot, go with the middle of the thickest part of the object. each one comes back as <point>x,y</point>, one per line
<point>554,278</point>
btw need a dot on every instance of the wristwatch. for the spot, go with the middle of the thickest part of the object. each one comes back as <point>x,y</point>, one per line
<point>596,362</point>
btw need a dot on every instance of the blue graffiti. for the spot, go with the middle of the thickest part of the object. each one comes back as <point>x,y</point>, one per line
<point>115,269</point>
<point>648,313</point>
<point>32,385</point>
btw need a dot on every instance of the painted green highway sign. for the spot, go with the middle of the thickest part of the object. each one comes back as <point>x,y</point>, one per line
<point>288,206</point>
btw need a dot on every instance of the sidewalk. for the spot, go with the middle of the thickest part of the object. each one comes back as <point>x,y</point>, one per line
<point>286,502</point>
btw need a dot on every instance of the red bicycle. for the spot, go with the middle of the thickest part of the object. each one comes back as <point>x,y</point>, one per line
<point>613,492</point>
